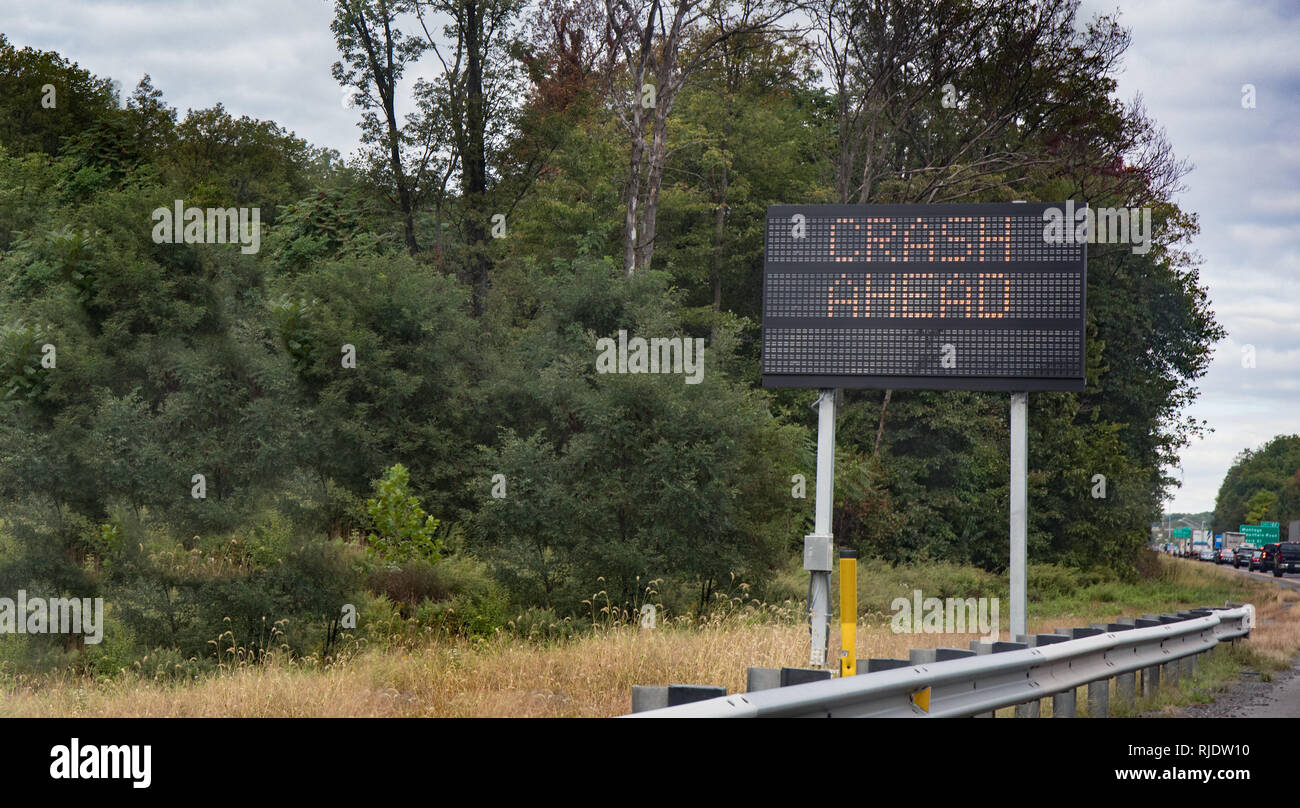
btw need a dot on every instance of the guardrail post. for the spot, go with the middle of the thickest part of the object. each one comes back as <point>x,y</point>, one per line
<point>1029,709</point>
<point>1126,689</point>
<point>921,656</point>
<point>1151,681</point>
<point>761,678</point>
<point>1099,698</point>
<point>1063,704</point>
<point>648,697</point>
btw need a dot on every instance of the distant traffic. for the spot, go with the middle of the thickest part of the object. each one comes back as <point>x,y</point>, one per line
<point>1278,558</point>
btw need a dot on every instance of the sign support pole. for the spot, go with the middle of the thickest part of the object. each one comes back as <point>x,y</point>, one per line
<point>817,545</point>
<point>1019,509</point>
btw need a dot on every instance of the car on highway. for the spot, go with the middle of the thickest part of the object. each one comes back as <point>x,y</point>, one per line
<point>1246,556</point>
<point>1224,556</point>
<point>1207,555</point>
<point>1256,560</point>
<point>1285,557</point>
<point>1280,558</point>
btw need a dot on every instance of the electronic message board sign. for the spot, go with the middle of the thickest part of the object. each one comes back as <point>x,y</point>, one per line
<point>938,297</point>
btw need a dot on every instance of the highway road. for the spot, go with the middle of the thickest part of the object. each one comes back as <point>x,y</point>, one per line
<point>1290,579</point>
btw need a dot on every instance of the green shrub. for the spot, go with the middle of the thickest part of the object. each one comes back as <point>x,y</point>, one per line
<point>482,613</point>
<point>403,532</point>
<point>379,620</point>
<point>115,652</point>
<point>1048,581</point>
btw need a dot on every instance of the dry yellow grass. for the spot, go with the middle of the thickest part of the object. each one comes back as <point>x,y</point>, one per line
<point>1276,637</point>
<point>589,676</point>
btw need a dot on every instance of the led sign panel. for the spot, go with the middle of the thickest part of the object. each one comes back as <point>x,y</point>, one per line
<point>943,297</point>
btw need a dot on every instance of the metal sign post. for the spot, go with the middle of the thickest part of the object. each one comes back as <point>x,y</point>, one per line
<point>1019,509</point>
<point>817,545</point>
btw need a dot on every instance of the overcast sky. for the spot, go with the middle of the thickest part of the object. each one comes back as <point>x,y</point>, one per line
<point>1189,59</point>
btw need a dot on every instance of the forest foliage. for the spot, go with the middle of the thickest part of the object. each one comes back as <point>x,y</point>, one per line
<point>486,234</point>
<point>1262,485</point>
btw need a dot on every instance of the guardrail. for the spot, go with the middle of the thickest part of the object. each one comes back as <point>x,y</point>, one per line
<point>1003,674</point>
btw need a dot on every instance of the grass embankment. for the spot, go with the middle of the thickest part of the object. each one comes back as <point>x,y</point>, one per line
<point>592,674</point>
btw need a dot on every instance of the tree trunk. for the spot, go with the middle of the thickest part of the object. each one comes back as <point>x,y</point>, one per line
<point>631,198</point>
<point>657,157</point>
<point>719,235</point>
<point>474,159</point>
<point>880,430</point>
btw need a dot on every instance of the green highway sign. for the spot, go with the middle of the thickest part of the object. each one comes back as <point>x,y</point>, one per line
<point>1261,534</point>
<point>1182,533</point>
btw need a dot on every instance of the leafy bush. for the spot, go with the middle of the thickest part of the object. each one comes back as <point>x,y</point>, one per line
<point>116,651</point>
<point>402,530</point>
<point>462,616</point>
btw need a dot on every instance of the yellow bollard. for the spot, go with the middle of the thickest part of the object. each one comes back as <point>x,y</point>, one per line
<point>848,612</point>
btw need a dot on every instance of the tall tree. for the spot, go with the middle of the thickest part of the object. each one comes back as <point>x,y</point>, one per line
<point>475,93</point>
<point>375,55</point>
<point>655,48</point>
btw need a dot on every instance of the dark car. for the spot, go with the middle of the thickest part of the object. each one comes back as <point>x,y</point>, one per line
<point>1245,556</point>
<point>1255,562</point>
<point>1224,556</point>
<point>1283,557</point>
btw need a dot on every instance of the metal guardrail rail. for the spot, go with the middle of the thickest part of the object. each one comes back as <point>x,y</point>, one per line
<point>990,681</point>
